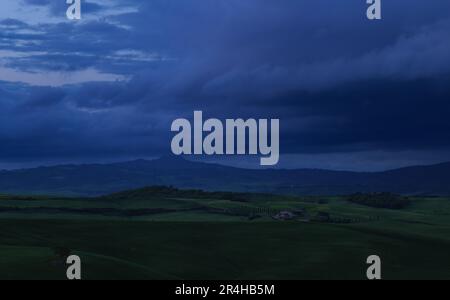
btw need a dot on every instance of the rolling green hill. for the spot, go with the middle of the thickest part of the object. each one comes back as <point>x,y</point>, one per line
<point>166,233</point>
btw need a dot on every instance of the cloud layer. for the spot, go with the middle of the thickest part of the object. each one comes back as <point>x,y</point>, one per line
<point>110,85</point>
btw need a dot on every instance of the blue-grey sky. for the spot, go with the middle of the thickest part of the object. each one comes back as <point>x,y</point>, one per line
<point>350,93</point>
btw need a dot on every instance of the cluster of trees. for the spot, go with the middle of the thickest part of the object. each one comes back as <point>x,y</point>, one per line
<point>327,218</point>
<point>169,191</point>
<point>380,200</point>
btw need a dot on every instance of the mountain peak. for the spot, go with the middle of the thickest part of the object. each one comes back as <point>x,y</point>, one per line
<point>171,158</point>
<point>177,171</point>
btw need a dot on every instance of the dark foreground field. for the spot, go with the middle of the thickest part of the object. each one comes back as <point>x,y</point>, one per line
<point>197,243</point>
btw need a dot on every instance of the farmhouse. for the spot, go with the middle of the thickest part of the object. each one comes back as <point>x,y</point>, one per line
<point>285,216</point>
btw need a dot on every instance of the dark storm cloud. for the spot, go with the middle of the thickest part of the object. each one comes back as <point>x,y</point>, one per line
<point>337,82</point>
<point>39,122</point>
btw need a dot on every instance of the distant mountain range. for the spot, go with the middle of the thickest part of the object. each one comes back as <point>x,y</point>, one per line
<point>100,179</point>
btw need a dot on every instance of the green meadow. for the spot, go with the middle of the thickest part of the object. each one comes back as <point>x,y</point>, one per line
<point>171,234</point>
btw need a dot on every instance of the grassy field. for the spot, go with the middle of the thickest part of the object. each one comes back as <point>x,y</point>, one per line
<point>171,236</point>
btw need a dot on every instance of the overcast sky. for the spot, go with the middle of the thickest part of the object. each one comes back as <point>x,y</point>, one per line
<point>350,93</point>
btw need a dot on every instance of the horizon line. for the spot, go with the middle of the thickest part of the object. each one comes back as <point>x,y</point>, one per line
<point>175,157</point>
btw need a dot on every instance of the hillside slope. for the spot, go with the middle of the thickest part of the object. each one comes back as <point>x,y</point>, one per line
<point>99,179</point>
